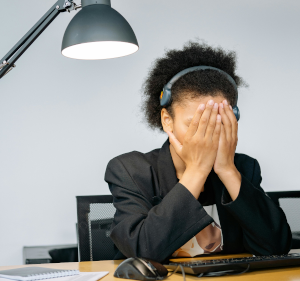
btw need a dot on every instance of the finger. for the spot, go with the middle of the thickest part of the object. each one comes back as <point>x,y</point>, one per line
<point>175,142</point>
<point>195,121</point>
<point>205,118</point>
<point>225,120</point>
<point>234,122</point>
<point>212,122</point>
<point>223,134</point>
<point>217,130</point>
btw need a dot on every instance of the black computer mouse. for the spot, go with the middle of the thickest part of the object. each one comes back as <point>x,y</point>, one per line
<point>141,269</point>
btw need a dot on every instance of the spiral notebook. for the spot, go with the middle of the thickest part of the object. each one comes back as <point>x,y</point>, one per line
<point>35,273</point>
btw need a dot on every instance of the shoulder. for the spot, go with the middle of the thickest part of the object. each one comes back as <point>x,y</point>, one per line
<point>135,158</point>
<point>130,164</point>
<point>243,159</point>
<point>247,165</point>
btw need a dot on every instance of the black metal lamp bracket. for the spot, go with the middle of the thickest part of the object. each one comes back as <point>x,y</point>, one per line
<point>7,63</point>
<point>68,6</point>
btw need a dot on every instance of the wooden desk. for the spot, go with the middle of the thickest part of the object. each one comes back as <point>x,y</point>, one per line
<point>280,274</point>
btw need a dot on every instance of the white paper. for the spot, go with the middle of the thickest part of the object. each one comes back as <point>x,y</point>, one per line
<point>82,276</point>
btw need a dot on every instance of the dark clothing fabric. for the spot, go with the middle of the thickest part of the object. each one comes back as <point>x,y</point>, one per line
<point>156,214</point>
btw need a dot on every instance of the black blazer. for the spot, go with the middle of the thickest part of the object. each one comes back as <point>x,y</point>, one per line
<point>156,214</point>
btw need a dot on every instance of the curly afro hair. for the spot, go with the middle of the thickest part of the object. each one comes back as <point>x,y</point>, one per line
<point>191,85</point>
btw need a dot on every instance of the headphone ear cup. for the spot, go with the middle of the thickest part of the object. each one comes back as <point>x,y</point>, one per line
<point>236,112</point>
<point>165,98</point>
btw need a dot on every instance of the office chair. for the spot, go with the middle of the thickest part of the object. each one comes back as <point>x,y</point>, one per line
<point>95,215</point>
<point>289,201</point>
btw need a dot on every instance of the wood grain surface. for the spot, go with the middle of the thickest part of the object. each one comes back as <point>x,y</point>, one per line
<point>279,274</point>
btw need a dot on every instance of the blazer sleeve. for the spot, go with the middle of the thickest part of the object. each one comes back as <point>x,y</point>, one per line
<point>265,228</point>
<point>153,232</point>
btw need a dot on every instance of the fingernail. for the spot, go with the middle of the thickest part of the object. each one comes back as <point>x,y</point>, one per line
<point>219,117</point>
<point>221,104</point>
<point>202,106</point>
<point>216,105</point>
<point>225,101</point>
<point>230,107</point>
<point>211,102</point>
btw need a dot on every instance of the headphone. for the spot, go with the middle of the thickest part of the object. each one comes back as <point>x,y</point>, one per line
<point>166,95</point>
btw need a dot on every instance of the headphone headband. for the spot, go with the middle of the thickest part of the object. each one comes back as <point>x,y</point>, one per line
<point>166,94</point>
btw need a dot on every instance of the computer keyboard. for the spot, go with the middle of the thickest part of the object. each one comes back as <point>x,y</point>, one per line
<point>235,264</point>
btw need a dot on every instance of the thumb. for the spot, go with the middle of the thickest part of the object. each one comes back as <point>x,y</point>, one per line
<point>175,142</point>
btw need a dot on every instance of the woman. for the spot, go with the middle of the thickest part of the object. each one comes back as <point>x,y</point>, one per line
<point>194,195</point>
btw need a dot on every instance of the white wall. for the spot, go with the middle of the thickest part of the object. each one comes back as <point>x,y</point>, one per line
<point>57,133</point>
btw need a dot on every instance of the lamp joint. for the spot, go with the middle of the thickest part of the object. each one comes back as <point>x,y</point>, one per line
<point>67,5</point>
<point>4,63</point>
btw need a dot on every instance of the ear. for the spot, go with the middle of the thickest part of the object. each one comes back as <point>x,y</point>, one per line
<point>166,120</point>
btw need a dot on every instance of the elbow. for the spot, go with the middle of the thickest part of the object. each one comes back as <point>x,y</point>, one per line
<point>284,241</point>
<point>286,244</point>
<point>155,254</point>
<point>276,243</point>
<point>130,249</point>
<point>281,242</point>
<point>134,246</point>
<point>279,249</point>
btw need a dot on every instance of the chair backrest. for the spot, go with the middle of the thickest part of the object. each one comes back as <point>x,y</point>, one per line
<point>94,218</point>
<point>95,215</point>
<point>289,201</point>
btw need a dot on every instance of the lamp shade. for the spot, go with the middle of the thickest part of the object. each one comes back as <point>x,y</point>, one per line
<point>98,32</point>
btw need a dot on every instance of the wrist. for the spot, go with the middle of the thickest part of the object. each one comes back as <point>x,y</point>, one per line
<point>193,180</point>
<point>197,171</point>
<point>229,170</point>
<point>232,180</point>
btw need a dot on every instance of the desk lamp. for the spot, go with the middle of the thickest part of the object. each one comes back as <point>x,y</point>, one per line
<point>95,32</point>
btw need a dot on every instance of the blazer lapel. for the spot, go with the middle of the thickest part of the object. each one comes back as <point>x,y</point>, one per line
<point>166,171</point>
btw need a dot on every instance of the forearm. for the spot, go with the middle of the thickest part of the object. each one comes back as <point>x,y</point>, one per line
<point>158,232</point>
<point>232,180</point>
<point>193,180</point>
<point>264,225</point>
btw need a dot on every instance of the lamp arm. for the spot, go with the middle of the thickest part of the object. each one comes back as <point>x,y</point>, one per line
<point>7,63</point>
